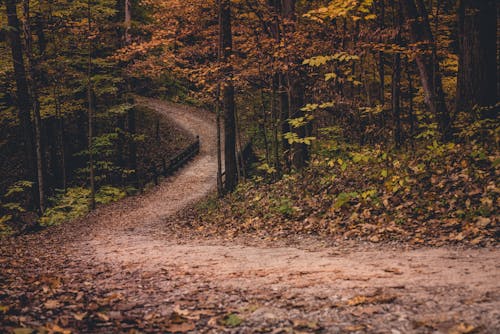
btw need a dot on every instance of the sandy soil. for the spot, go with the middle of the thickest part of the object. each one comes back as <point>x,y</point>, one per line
<point>123,250</point>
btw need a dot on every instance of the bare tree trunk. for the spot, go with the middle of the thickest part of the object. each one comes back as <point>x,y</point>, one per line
<point>275,122</point>
<point>263,125</point>
<point>220,185</point>
<point>284,99</point>
<point>22,98</point>
<point>381,68</point>
<point>396,81</point>
<point>90,108</point>
<point>127,22</point>
<point>477,74</point>
<point>228,102</point>
<point>410,102</point>
<point>396,99</point>
<point>300,155</point>
<point>40,168</point>
<point>430,75</point>
<point>61,139</point>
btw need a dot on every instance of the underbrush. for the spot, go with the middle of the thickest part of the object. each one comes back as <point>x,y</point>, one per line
<point>437,194</point>
<point>157,140</point>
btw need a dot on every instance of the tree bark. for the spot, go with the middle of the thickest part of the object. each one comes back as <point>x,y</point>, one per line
<point>90,108</point>
<point>22,98</point>
<point>228,103</point>
<point>477,73</point>
<point>396,99</point>
<point>430,75</point>
<point>33,94</point>
<point>127,22</point>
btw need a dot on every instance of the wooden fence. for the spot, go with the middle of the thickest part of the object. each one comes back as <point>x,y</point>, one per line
<point>168,167</point>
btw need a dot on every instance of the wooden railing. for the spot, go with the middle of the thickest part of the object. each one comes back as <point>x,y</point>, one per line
<point>166,168</point>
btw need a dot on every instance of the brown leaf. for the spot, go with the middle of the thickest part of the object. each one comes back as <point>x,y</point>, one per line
<point>52,304</point>
<point>462,328</point>
<point>378,299</point>
<point>103,316</point>
<point>80,316</point>
<point>181,328</point>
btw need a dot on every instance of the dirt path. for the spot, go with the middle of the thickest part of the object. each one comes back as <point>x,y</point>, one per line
<point>119,270</point>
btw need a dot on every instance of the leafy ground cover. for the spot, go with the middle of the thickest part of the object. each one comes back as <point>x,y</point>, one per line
<point>438,194</point>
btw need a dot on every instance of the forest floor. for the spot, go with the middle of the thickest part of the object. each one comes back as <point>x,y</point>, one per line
<point>120,269</point>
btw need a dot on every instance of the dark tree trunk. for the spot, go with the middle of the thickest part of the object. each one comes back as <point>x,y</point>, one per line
<point>430,75</point>
<point>477,74</point>
<point>300,155</point>
<point>22,98</point>
<point>33,93</point>
<point>228,103</point>
<point>284,98</point>
<point>132,129</point>
<point>396,81</point>
<point>61,139</point>
<point>381,66</point>
<point>396,99</point>
<point>90,108</point>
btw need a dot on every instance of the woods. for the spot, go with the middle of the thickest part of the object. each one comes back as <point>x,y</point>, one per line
<point>281,73</point>
<point>249,166</point>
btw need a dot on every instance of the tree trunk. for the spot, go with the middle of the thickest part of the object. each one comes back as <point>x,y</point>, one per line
<point>228,103</point>
<point>127,22</point>
<point>396,99</point>
<point>381,68</point>
<point>300,155</point>
<point>90,108</point>
<point>477,74</point>
<point>284,98</point>
<point>22,98</point>
<point>61,139</point>
<point>220,187</point>
<point>396,81</point>
<point>32,89</point>
<point>132,129</point>
<point>430,75</point>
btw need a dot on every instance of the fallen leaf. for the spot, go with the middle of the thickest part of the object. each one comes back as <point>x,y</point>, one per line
<point>23,330</point>
<point>52,304</point>
<point>80,316</point>
<point>181,328</point>
<point>462,328</point>
<point>378,299</point>
<point>355,328</point>
<point>103,316</point>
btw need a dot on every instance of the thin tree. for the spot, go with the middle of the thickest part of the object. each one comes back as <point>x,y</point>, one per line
<point>90,106</point>
<point>22,98</point>
<point>228,103</point>
<point>35,105</point>
<point>396,83</point>
<point>430,75</point>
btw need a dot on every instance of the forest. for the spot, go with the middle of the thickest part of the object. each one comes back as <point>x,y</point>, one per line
<point>132,131</point>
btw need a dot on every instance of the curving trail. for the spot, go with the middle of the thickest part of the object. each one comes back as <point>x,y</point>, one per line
<point>119,269</point>
<point>131,229</point>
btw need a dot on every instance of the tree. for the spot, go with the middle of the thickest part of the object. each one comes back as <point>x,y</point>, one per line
<point>23,96</point>
<point>422,38</point>
<point>477,74</point>
<point>33,94</point>
<point>90,106</point>
<point>228,103</point>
